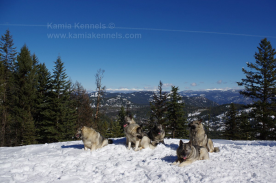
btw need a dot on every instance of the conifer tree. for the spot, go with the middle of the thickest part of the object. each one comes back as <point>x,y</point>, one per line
<point>60,127</point>
<point>25,77</point>
<point>158,107</point>
<point>7,59</point>
<point>259,85</point>
<point>176,118</point>
<point>41,115</point>
<point>246,131</point>
<point>231,128</point>
<point>117,129</point>
<point>121,120</point>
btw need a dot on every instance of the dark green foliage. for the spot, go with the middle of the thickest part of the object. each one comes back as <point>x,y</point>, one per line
<point>41,115</point>
<point>177,121</point>
<point>246,130</point>
<point>231,130</point>
<point>7,59</point>
<point>117,125</point>
<point>259,85</point>
<point>117,130</point>
<point>121,116</point>
<point>61,114</point>
<point>158,107</point>
<point>35,105</point>
<point>25,87</point>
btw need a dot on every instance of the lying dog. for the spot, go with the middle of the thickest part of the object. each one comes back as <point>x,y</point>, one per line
<point>198,136</point>
<point>156,135</point>
<point>134,134</point>
<point>187,154</point>
<point>91,138</point>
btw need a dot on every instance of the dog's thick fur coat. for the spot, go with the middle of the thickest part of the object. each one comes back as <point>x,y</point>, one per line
<point>91,138</point>
<point>187,154</point>
<point>135,135</point>
<point>156,135</point>
<point>199,138</point>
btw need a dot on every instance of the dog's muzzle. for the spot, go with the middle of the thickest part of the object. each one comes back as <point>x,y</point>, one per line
<point>78,135</point>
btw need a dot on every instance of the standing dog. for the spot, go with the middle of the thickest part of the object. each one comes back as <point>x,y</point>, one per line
<point>199,138</point>
<point>135,135</point>
<point>156,135</point>
<point>91,139</point>
<point>187,154</point>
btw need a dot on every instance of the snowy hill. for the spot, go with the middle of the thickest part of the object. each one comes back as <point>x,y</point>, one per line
<point>238,161</point>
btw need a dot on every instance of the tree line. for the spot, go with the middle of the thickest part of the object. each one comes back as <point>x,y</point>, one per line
<point>38,106</point>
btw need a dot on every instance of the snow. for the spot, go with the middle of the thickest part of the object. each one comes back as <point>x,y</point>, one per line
<point>194,114</point>
<point>238,161</point>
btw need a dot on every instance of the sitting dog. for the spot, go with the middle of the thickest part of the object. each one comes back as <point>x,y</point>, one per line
<point>156,135</point>
<point>199,138</point>
<point>187,154</point>
<point>91,138</point>
<point>134,134</point>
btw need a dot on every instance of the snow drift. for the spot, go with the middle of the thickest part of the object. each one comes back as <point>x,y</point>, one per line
<point>238,161</point>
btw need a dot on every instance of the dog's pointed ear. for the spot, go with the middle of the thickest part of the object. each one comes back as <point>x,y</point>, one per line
<point>180,142</point>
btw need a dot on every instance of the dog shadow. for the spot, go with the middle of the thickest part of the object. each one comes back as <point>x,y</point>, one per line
<point>120,141</point>
<point>169,159</point>
<point>77,146</point>
<point>172,146</point>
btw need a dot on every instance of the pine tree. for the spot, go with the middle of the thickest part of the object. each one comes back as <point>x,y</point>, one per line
<point>121,120</point>
<point>260,85</point>
<point>117,129</point>
<point>158,107</point>
<point>7,59</point>
<point>177,121</point>
<point>231,128</point>
<point>246,131</point>
<point>61,114</point>
<point>41,115</point>
<point>25,78</point>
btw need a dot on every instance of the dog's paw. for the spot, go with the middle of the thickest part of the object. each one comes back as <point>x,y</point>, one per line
<point>174,163</point>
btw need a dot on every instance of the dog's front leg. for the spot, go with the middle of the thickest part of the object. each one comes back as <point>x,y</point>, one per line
<point>129,145</point>
<point>176,162</point>
<point>136,145</point>
<point>93,147</point>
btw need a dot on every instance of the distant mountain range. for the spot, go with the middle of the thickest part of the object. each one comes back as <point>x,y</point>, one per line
<point>219,96</point>
<point>192,98</point>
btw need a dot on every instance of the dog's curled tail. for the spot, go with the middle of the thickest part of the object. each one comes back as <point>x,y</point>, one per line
<point>110,141</point>
<point>216,149</point>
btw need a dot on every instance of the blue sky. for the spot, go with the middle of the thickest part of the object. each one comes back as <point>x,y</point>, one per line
<point>195,45</point>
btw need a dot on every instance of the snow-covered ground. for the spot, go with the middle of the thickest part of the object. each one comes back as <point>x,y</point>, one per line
<point>238,161</point>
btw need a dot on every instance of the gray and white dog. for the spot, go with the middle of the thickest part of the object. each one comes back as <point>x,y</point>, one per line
<point>135,135</point>
<point>187,154</point>
<point>91,138</point>
<point>198,136</point>
<point>156,135</point>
